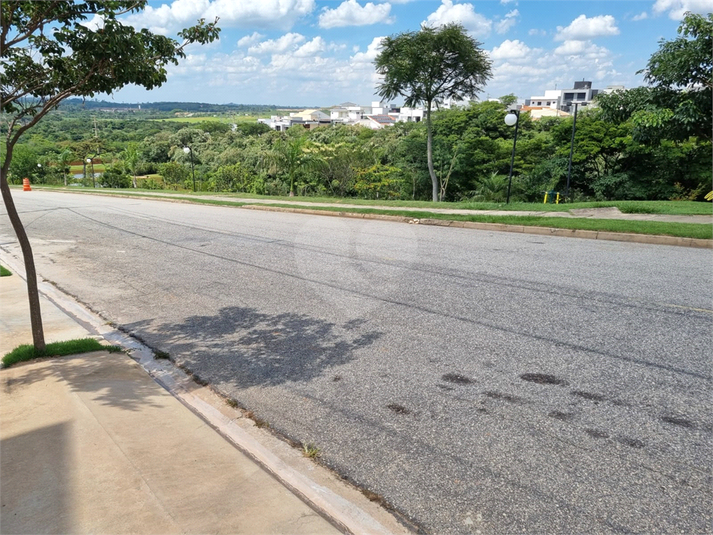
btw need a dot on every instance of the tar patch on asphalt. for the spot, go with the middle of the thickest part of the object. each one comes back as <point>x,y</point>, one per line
<point>543,379</point>
<point>398,409</point>
<point>457,379</point>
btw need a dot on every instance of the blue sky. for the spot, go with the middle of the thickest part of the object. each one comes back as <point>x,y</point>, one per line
<point>320,53</point>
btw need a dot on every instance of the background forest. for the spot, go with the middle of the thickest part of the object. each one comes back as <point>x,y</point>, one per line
<point>472,147</point>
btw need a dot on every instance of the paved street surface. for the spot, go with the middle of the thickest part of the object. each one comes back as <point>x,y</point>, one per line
<point>478,381</point>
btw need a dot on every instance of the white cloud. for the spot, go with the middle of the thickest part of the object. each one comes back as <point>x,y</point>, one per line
<point>535,31</point>
<point>351,13</point>
<point>250,39</point>
<point>168,18</point>
<point>311,48</point>
<point>448,12</point>
<point>507,22</point>
<point>581,49</point>
<point>511,50</point>
<point>640,16</point>
<point>289,41</point>
<point>677,8</point>
<point>508,1</point>
<point>586,28</point>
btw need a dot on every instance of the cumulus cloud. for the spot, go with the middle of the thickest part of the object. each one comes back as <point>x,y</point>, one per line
<point>640,16</point>
<point>289,41</point>
<point>448,12</point>
<point>351,13</point>
<point>583,28</point>
<point>511,50</point>
<point>171,17</point>
<point>677,8</point>
<point>535,31</point>
<point>251,39</point>
<point>507,22</point>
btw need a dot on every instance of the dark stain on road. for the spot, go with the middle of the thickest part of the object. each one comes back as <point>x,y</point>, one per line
<point>559,415</point>
<point>505,397</point>
<point>543,379</point>
<point>681,422</point>
<point>631,442</point>
<point>588,395</point>
<point>457,379</point>
<point>398,409</point>
<point>445,387</point>
<point>596,433</point>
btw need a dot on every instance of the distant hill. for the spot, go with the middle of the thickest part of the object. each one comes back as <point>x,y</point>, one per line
<point>192,107</point>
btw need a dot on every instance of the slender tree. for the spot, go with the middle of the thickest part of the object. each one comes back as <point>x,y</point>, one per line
<point>55,49</point>
<point>428,67</point>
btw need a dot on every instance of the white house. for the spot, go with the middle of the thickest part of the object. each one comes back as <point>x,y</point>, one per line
<point>562,99</point>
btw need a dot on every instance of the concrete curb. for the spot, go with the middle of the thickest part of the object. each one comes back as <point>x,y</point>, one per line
<point>650,239</point>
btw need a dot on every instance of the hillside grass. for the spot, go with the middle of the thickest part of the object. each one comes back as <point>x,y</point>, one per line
<point>659,228</point>
<point>400,208</point>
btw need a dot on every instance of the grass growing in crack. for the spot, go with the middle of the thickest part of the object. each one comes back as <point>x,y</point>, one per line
<point>158,355</point>
<point>232,403</point>
<point>56,349</point>
<point>259,422</point>
<point>4,272</point>
<point>310,451</point>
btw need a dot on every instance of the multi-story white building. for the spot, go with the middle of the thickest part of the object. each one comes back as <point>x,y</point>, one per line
<point>563,99</point>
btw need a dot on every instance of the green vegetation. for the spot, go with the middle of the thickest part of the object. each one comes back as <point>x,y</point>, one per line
<point>4,272</point>
<point>429,67</point>
<point>56,349</point>
<point>660,228</point>
<point>43,68</point>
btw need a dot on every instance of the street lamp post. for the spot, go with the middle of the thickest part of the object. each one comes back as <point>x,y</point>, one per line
<point>91,162</point>
<point>571,150</point>
<point>189,150</point>
<point>512,118</point>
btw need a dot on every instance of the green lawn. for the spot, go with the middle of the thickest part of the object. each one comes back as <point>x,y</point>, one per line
<point>661,228</point>
<point>56,349</point>
<point>401,208</point>
<point>4,272</point>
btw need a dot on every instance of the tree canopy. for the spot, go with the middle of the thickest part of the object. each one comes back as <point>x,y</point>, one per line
<point>677,105</point>
<point>430,66</point>
<point>55,49</point>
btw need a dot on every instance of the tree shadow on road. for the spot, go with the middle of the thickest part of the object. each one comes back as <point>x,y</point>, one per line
<point>248,348</point>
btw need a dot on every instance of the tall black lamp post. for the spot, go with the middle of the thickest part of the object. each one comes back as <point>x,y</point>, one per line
<point>512,118</point>
<point>189,150</point>
<point>571,150</point>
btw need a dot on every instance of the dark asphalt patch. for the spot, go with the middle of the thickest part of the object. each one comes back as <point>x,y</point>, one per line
<point>457,379</point>
<point>543,379</point>
<point>398,409</point>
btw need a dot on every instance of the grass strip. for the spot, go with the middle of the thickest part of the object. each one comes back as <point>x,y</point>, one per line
<point>627,207</point>
<point>4,272</point>
<point>658,228</point>
<point>55,349</point>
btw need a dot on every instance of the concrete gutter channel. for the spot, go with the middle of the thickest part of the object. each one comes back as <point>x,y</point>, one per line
<point>588,213</point>
<point>342,504</point>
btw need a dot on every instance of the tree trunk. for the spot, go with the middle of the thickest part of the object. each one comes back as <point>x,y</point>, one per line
<point>429,152</point>
<point>38,336</point>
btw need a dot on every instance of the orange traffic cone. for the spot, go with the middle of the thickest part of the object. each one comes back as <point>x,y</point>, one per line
<point>26,184</point>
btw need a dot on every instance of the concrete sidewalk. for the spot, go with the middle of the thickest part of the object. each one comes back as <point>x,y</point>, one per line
<point>92,444</point>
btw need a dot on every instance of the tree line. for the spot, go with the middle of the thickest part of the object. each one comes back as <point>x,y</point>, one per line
<point>612,159</point>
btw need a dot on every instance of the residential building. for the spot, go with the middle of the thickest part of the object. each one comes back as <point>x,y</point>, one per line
<point>563,99</point>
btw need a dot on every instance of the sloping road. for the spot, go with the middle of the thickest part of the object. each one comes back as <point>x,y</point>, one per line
<point>478,381</point>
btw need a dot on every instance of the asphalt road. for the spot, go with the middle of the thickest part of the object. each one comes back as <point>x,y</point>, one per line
<point>478,381</point>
